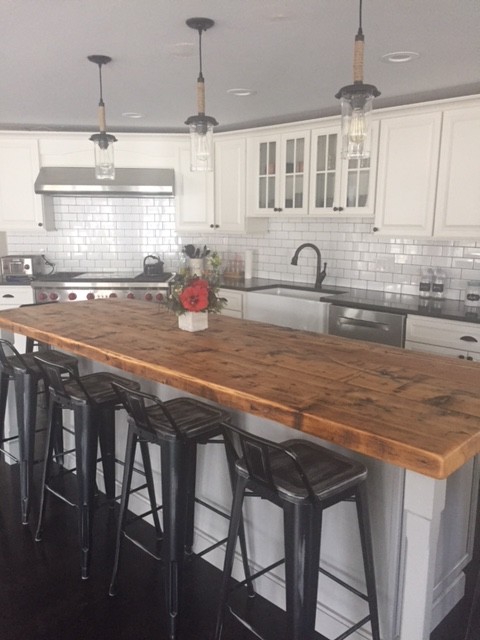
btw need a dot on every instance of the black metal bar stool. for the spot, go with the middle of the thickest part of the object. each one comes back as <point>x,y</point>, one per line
<point>93,401</point>
<point>25,373</point>
<point>177,426</point>
<point>303,479</point>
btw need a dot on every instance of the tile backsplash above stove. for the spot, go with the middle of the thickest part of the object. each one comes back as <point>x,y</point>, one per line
<point>116,233</point>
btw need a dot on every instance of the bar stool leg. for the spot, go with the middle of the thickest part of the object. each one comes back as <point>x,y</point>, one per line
<point>52,425</point>
<point>106,434</point>
<point>190,503</point>
<point>235,522</point>
<point>303,528</point>
<point>26,402</point>
<point>126,482</point>
<point>174,460</point>
<point>147,467</point>
<point>4,382</point>
<point>86,434</point>
<point>361,502</point>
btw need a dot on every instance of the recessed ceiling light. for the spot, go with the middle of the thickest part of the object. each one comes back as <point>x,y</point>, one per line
<point>241,93</point>
<point>132,114</point>
<point>400,56</point>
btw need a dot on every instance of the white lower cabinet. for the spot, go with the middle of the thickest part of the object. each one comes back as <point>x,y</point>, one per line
<point>234,306</point>
<point>443,337</point>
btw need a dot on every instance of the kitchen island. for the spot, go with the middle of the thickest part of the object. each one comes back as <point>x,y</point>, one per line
<point>418,416</point>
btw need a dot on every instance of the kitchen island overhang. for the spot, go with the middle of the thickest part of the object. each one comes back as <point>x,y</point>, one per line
<point>416,417</point>
<point>417,411</point>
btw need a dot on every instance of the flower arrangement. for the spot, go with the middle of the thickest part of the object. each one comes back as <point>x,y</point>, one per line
<point>192,293</point>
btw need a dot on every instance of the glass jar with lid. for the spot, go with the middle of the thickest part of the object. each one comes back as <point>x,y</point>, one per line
<point>472,294</point>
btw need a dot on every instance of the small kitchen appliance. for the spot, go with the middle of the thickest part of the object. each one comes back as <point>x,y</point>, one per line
<point>16,268</point>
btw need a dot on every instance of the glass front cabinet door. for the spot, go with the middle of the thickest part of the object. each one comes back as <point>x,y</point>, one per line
<point>343,187</point>
<point>278,168</point>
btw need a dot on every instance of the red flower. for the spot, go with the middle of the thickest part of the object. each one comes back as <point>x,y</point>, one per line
<point>195,297</point>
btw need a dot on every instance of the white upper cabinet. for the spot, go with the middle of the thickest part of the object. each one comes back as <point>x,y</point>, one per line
<point>194,195</point>
<point>339,186</point>
<point>407,174</point>
<point>20,208</point>
<point>278,171</point>
<point>458,194</point>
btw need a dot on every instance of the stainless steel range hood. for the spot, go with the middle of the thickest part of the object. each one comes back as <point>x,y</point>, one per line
<point>128,182</point>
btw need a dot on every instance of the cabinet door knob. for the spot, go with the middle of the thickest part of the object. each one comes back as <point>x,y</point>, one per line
<point>469,358</point>
<point>40,224</point>
<point>462,357</point>
<point>216,226</point>
<point>338,208</point>
<point>212,226</point>
<point>277,209</point>
<point>375,228</point>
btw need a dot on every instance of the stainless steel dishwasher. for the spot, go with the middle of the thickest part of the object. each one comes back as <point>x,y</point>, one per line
<point>362,324</point>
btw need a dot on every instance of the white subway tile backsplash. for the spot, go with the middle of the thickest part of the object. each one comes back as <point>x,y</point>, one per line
<point>116,233</point>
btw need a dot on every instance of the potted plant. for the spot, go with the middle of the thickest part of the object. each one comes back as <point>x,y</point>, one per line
<point>191,298</point>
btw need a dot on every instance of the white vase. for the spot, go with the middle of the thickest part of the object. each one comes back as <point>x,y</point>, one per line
<point>196,267</point>
<point>193,321</point>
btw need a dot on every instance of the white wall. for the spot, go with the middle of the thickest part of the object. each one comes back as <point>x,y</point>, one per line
<point>116,233</point>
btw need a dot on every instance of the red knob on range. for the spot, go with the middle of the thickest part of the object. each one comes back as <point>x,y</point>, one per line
<point>112,295</point>
<point>90,296</point>
<point>130,295</point>
<point>148,296</point>
<point>53,296</point>
<point>72,296</point>
<point>42,296</point>
<point>159,297</point>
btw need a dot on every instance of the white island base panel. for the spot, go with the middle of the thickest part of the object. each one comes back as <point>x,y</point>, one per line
<point>423,532</point>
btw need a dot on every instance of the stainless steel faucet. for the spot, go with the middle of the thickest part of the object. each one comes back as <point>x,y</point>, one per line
<point>320,275</point>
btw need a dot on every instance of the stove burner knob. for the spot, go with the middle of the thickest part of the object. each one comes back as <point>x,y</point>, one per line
<point>90,296</point>
<point>112,295</point>
<point>53,296</point>
<point>42,296</point>
<point>159,297</point>
<point>148,296</point>
<point>72,296</point>
<point>130,295</point>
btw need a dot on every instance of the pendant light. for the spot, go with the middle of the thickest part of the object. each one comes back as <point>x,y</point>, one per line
<point>103,141</point>
<point>201,125</point>
<point>356,104</point>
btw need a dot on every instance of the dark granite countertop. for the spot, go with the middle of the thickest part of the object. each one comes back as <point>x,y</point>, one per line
<point>374,300</point>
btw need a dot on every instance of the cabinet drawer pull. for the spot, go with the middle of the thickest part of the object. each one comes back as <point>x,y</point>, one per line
<point>8,295</point>
<point>468,339</point>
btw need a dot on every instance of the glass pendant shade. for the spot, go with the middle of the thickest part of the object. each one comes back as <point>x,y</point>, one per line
<point>201,142</point>
<point>104,156</point>
<point>356,103</point>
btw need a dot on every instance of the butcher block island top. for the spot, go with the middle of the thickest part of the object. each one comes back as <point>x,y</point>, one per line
<point>417,411</point>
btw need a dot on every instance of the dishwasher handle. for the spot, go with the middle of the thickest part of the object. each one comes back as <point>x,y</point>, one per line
<point>357,322</point>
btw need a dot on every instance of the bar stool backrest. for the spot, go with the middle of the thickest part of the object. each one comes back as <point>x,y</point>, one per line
<point>56,376</point>
<point>137,403</point>
<point>7,350</point>
<point>257,454</point>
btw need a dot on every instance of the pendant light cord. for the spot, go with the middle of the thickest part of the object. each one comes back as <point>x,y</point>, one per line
<point>200,75</point>
<point>358,50</point>
<point>101,103</point>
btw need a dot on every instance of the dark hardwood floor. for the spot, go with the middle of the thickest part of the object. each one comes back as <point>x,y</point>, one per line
<point>43,598</point>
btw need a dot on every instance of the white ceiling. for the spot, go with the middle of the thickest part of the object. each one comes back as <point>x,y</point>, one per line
<point>295,54</point>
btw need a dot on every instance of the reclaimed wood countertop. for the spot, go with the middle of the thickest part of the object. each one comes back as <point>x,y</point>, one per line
<point>417,411</point>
